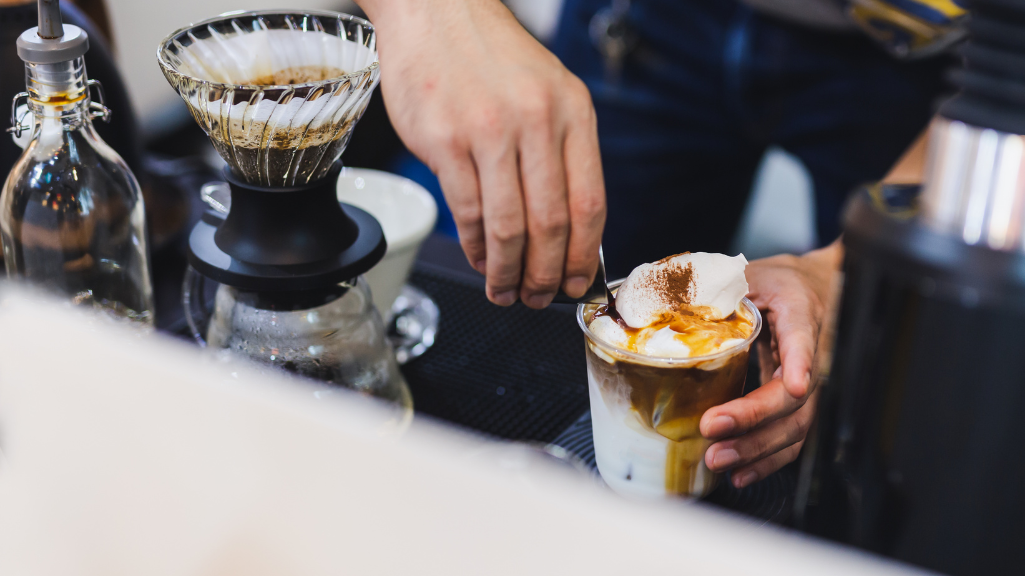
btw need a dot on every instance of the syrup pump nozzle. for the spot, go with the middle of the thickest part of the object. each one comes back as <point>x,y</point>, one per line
<point>51,25</point>
<point>51,41</point>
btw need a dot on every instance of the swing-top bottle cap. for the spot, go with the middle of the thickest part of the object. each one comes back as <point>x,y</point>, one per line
<point>52,41</point>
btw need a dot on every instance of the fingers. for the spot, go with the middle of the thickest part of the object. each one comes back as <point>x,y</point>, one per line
<point>765,404</point>
<point>547,213</point>
<point>586,192</point>
<point>761,443</point>
<point>796,330</point>
<point>458,178</point>
<point>504,228</point>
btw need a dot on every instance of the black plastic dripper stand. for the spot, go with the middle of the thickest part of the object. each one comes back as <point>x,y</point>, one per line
<point>290,247</point>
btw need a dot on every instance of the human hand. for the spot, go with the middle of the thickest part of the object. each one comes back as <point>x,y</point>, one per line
<point>763,431</point>
<point>511,135</point>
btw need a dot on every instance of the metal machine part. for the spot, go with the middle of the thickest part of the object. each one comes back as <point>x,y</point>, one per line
<point>975,185</point>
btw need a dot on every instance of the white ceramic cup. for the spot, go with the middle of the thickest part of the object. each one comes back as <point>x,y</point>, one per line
<point>407,213</point>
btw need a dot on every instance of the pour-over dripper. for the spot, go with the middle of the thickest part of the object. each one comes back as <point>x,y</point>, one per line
<point>277,92</point>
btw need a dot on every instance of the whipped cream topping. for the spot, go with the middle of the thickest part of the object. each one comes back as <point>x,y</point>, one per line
<point>712,284</point>
<point>680,307</point>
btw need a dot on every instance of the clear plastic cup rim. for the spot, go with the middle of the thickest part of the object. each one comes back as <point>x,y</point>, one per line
<point>618,353</point>
<point>251,13</point>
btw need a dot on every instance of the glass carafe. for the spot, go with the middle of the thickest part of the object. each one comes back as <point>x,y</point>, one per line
<point>71,213</point>
<point>334,336</point>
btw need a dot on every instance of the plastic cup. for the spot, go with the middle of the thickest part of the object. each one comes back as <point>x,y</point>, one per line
<point>645,412</point>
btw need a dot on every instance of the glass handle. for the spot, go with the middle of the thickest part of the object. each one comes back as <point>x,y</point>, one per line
<point>16,126</point>
<point>196,313</point>
<point>98,108</point>
<point>217,195</point>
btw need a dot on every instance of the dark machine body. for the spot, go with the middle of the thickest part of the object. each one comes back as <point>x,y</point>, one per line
<point>921,427</point>
<point>918,450</point>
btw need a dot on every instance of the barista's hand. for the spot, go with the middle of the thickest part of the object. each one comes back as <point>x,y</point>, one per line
<point>510,133</point>
<point>765,430</point>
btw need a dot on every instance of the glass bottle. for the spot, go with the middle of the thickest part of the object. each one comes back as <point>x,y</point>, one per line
<point>71,214</point>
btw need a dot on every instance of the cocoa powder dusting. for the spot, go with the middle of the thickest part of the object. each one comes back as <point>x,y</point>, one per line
<point>673,284</point>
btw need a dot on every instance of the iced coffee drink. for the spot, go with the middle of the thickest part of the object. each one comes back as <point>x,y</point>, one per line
<point>674,345</point>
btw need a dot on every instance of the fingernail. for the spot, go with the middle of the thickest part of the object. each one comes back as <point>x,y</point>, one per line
<point>721,426</point>
<point>538,300</point>
<point>746,479</point>
<point>481,266</point>
<point>801,387</point>
<point>725,458</point>
<point>504,298</point>
<point>576,286</point>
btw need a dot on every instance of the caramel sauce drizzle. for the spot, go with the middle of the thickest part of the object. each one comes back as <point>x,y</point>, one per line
<point>692,326</point>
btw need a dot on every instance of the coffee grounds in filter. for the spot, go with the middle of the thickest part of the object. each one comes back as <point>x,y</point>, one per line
<point>284,151</point>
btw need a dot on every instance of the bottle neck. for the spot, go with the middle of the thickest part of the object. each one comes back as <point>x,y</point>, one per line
<point>59,92</point>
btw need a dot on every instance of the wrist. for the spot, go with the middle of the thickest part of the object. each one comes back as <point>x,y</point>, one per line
<point>910,168</point>
<point>386,12</point>
<point>381,11</point>
<point>829,257</point>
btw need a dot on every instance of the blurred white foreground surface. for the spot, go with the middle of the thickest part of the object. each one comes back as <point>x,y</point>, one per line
<point>128,455</point>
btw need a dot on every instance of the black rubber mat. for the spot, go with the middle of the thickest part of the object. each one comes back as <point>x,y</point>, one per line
<point>512,373</point>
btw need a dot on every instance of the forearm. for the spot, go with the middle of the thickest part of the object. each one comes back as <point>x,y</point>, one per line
<point>375,8</point>
<point>419,11</point>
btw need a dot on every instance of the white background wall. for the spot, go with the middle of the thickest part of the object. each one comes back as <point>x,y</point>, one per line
<point>140,25</point>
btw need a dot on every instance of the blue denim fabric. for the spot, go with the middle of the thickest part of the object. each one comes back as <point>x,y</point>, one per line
<point>709,87</point>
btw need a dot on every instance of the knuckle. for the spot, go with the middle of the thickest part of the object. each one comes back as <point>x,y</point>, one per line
<point>750,416</point>
<point>541,280</point>
<point>763,446</point>
<point>581,105</point>
<point>443,137</point>
<point>579,263</point>
<point>536,104</point>
<point>505,276</point>
<point>488,124</point>
<point>466,213</point>
<point>549,223</point>
<point>506,230</point>
<point>798,427</point>
<point>588,207</point>
<point>473,249</point>
<point>499,284</point>
<point>788,455</point>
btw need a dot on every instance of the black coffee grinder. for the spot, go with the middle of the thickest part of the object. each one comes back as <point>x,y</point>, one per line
<point>278,93</point>
<point>918,451</point>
